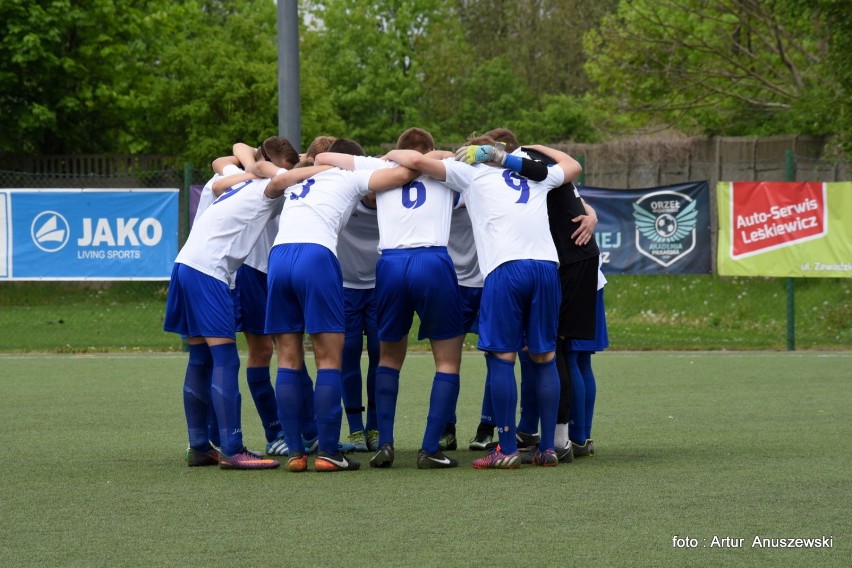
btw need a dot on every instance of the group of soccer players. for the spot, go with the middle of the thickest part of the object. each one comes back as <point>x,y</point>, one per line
<point>341,246</point>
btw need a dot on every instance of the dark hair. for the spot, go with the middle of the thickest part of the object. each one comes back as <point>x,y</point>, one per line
<point>505,136</point>
<point>347,146</point>
<point>416,139</point>
<point>279,151</point>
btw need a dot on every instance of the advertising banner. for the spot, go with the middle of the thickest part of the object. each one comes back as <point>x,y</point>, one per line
<point>785,229</point>
<point>88,234</point>
<point>662,230</point>
<point>194,198</point>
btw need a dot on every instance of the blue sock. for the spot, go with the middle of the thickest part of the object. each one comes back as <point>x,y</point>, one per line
<point>196,395</point>
<point>328,409</point>
<point>288,394</point>
<point>225,394</point>
<point>212,423</point>
<point>547,383</point>
<point>260,387</point>
<point>529,398</point>
<point>577,423</point>
<point>487,416</point>
<point>350,378</point>
<point>372,364</point>
<point>442,405</point>
<point>584,361</point>
<point>504,397</point>
<point>387,390</point>
<point>309,416</point>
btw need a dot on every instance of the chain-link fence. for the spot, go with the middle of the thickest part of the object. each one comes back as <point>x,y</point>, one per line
<point>629,164</point>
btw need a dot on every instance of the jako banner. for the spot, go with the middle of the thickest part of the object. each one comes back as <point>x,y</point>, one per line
<point>787,229</point>
<point>88,234</point>
<point>662,230</point>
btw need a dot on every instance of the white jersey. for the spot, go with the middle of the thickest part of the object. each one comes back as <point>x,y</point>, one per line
<point>357,248</point>
<point>225,234</point>
<point>258,258</point>
<point>206,197</point>
<point>601,278</point>
<point>462,249</point>
<point>414,215</point>
<point>508,212</point>
<point>316,209</point>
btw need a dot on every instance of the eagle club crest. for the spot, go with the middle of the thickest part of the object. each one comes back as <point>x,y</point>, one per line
<point>665,226</point>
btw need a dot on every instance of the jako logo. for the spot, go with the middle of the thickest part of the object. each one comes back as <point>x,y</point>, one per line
<point>50,231</point>
<point>124,232</point>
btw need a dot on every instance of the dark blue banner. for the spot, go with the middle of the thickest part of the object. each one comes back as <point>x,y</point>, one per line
<point>89,234</point>
<point>660,230</point>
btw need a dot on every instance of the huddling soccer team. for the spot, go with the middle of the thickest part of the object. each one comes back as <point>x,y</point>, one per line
<point>493,239</point>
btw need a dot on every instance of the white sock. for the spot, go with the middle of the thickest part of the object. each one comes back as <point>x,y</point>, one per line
<point>561,436</point>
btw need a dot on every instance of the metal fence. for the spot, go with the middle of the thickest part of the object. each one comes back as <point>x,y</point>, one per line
<point>627,164</point>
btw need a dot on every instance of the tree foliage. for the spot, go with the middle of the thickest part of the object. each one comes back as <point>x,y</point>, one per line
<point>370,56</point>
<point>453,68</point>
<point>215,81</point>
<point>69,72</point>
<point>720,67</point>
<point>190,78</point>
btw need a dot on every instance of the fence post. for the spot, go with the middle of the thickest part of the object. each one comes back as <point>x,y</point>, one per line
<point>187,182</point>
<point>790,175</point>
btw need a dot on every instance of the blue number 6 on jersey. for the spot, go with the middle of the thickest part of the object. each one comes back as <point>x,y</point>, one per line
<point>419,197</point>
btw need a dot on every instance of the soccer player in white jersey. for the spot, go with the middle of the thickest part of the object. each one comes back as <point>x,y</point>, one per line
<point>357,250</point>
<point>306,295</point>
<point>462,249</point>
<point>250,287</point>
<point>415,274</point>
<point>521,292</point>
<point>200,307</point>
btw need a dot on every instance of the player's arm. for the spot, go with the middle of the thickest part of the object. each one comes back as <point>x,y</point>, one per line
<point>223,183</point>
<point>439,154</point>
<point>219,164</point>
<point>390,178</point>
<point>285,179</point>
<point>570,167</point>
<point>586,231</point>
<point>336,159</point>
<point>414,160</point>
<point>266,169</point>
<point>245,154</point>
<point>487,153</point>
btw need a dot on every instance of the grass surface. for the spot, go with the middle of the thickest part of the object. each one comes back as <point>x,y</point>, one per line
<point>690,444</point>
<point>643,313</point>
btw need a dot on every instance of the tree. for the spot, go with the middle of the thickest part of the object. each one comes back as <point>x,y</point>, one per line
<point>724,66</point>
<point>541,39</point>
<point>215,82</point>
<point>370,54</point>
<point>68,72</point>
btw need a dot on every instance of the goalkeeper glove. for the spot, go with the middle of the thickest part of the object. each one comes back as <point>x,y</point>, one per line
<point>480,154</point>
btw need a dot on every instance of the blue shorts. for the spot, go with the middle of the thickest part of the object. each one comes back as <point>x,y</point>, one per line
<point>601,340</point>
<point>305,290</point>
<point>359,305</point>
<point>198,305</point>
<point>250,300</point>
<point>520,306</point>
<point>470,298</point>
<point>420,280</point>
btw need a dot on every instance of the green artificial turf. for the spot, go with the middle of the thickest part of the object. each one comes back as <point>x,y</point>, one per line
<point>697,445</point>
